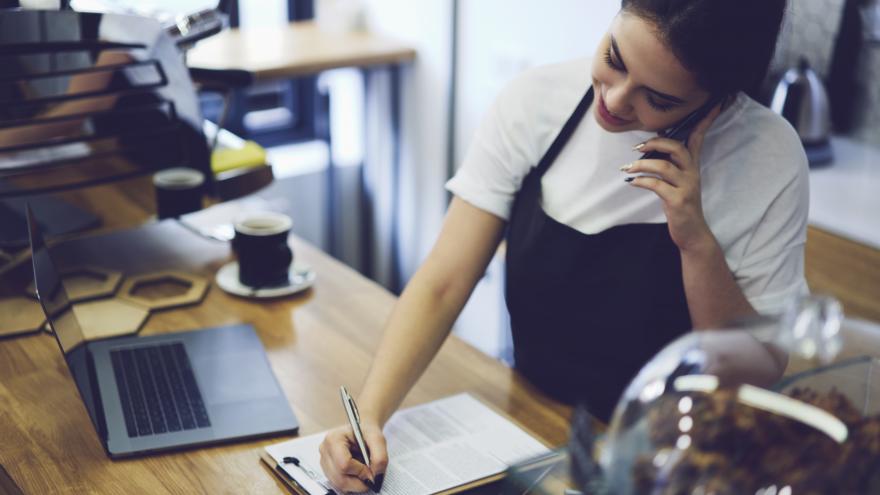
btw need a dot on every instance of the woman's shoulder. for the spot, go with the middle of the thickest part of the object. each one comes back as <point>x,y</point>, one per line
<point>549,89</point>
<point>757,174</point>
<point>768,130</point>
<point>761,137</point>
<point>517,129</point>
<point>571,75</point>
<point>536,103</point>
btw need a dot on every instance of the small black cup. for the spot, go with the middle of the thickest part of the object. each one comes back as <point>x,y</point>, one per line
<point>178,191</point>
<point>261,246</point>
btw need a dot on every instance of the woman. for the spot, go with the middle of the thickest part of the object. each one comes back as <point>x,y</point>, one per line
<point>610,257</point>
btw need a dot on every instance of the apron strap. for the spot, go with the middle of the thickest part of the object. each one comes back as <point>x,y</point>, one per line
<point>565,134</point>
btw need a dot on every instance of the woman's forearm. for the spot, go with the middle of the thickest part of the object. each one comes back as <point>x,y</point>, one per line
<point>418,326</point>
<point>714,298</point>
<point>429,305</point>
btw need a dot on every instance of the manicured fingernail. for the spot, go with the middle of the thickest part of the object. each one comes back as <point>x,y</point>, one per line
<point>626,167</point>
<point>629,179</point>
<point>380,478</point>
<point>370,485</point>
<point>638,147</point>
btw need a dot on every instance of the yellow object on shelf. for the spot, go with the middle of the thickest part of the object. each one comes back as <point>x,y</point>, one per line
<point>226,159</point>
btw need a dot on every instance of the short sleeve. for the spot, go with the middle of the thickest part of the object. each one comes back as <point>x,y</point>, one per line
<point>500,155</point>
<point>772,269</point>
<point>515,133</point>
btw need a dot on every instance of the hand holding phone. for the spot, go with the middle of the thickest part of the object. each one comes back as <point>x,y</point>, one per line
<point>670,167</point>
<point>682,130</point>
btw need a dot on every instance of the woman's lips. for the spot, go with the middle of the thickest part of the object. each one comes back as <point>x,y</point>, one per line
<point>607,117</point>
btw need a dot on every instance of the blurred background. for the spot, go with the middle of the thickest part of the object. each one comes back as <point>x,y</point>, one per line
<point>335,126</point>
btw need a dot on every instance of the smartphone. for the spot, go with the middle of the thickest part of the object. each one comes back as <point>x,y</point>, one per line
<point>682,130</point>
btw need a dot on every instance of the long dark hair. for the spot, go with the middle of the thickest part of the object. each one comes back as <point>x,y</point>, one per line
<point>727,44</point>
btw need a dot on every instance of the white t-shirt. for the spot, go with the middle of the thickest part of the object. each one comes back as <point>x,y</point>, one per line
<point>755,184</point>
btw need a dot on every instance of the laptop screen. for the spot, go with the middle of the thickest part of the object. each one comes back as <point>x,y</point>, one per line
<point>58,310</point>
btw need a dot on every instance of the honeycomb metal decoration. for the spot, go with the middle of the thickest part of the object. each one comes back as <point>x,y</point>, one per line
<point>104,304</point>
<point>20,315</point>
<point>163,290</point>
<point>87,282</point>
<point>105,318</point>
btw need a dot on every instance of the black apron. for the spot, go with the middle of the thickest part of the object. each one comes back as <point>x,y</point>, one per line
<point>588,311</point>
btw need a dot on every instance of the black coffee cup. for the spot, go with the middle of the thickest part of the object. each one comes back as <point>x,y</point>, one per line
<point>261,246</point>
<point>178,191</point>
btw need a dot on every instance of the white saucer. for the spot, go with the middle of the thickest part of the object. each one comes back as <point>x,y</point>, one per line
<point>301,278</point>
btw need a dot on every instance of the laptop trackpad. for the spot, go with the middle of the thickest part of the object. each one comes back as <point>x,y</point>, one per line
<point>235,377</point>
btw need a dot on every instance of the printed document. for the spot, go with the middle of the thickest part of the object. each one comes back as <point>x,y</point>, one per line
<point>433,448</point>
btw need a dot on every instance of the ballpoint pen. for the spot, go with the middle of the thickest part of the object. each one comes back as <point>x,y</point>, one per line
<point>354,420</point>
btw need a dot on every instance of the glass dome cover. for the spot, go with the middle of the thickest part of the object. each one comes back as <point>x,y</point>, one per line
<point>709,414</point>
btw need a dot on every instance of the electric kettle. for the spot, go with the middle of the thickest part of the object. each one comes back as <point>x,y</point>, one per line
<point>801,98</point>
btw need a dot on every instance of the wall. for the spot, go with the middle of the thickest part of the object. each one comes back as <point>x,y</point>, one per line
<point>868,111</point>
<point>501,38</point>
<point>811,29</point>
<point>868,91</point>
<point>425,24</point>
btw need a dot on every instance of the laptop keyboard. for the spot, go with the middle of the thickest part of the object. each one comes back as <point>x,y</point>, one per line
<point>158,390</point>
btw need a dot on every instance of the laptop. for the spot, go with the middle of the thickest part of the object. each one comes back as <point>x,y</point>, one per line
<point>169,391</point>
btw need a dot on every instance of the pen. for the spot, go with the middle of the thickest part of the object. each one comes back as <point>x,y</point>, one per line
<point>354,420</point>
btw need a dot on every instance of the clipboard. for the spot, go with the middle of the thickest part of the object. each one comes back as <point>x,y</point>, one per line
<point>281,475</point>
<point>294,487</point>
<point>506,441</point>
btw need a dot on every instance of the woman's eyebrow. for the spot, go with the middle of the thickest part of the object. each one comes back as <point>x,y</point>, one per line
<point>673,99</point>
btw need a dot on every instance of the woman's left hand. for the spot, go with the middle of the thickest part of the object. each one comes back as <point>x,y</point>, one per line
<point>677,182</point>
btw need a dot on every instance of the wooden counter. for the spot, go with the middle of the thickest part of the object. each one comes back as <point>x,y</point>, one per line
<point>315,342</point>
<point>845,269</point>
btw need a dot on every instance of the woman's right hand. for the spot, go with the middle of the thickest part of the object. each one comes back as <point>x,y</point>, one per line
<point>344,471</point>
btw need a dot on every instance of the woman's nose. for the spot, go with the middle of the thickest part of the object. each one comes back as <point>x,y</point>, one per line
<point>617,100</point>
